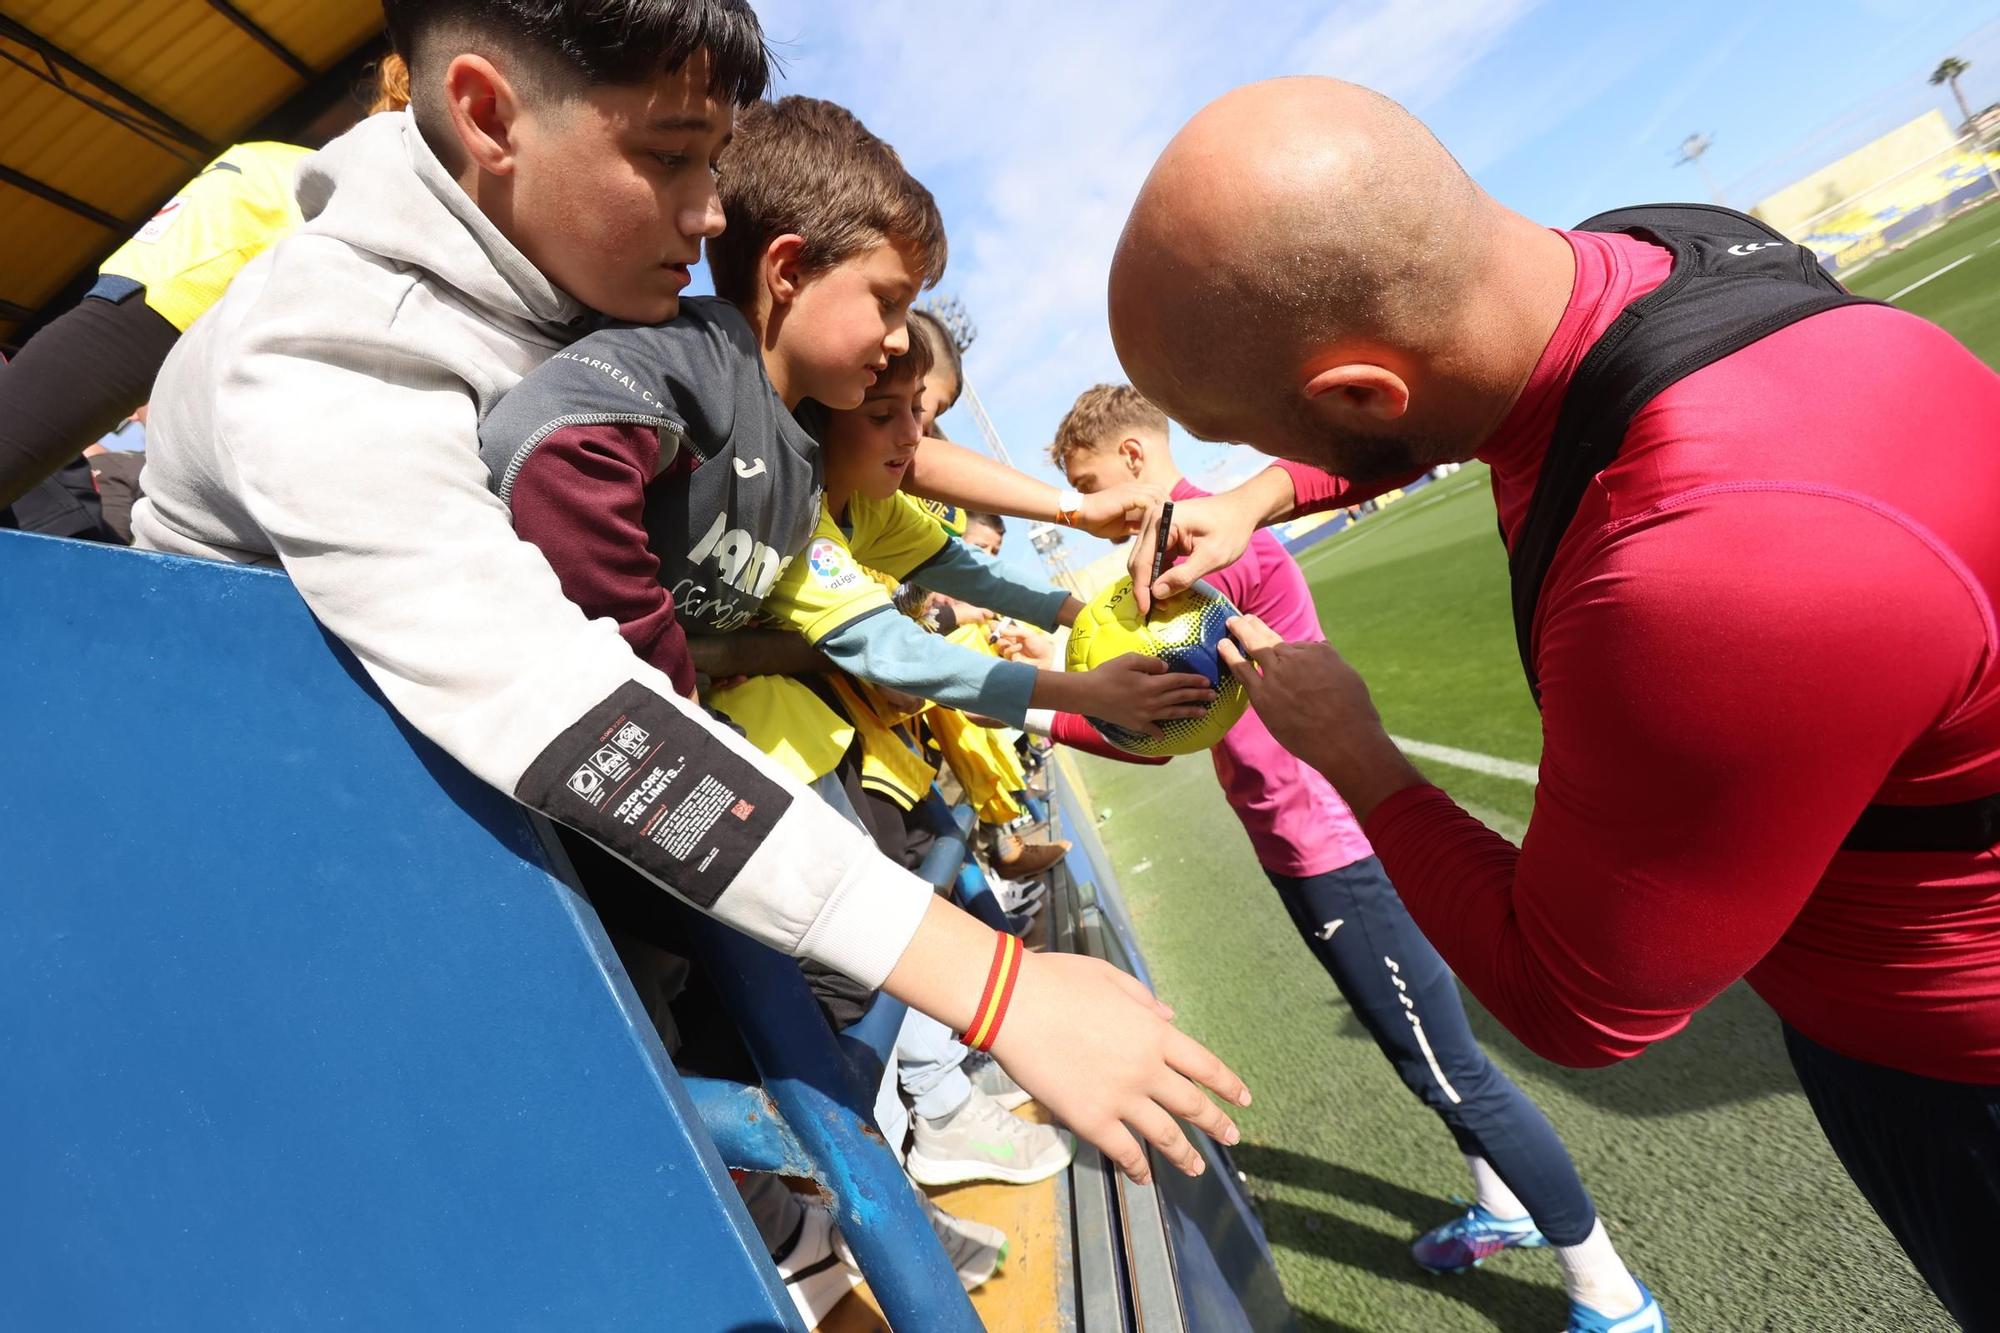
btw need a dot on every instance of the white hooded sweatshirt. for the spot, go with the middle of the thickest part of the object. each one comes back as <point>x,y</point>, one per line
<point>325,415</point>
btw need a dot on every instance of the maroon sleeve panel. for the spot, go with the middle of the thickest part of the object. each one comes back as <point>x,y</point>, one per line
<point>581,498</point>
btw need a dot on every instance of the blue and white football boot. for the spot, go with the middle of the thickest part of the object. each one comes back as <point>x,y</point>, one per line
<point>1648,1318</point>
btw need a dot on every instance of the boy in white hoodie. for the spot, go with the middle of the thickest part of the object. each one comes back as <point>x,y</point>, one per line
<point>556,167</point>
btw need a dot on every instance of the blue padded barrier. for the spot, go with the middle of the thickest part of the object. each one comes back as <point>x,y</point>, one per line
<point>828,1112</point>
<point>297,1027</point>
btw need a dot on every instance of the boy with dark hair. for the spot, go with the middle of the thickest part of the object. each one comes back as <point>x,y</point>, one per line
<point>324,416</point>
<point>662,468</point>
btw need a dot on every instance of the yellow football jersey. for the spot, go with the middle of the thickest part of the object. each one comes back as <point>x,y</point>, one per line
<point>951,516</point>
<point>783,717</point>
<point>830,586</point>
<point>222,219</point>
<point>840,579</point>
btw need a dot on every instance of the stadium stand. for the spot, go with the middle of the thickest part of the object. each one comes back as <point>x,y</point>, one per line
<point>1884,193</point>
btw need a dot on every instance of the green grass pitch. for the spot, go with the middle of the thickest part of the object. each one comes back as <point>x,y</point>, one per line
<point>1702,1154</point>
<point>1962,299</point>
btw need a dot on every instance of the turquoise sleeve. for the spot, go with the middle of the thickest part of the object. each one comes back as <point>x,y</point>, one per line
<point>893,650</point>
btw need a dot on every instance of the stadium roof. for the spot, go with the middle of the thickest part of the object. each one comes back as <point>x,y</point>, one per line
<point>109,106</point>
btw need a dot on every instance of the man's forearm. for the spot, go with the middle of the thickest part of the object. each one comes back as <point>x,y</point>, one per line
<point>1269,497</point>
<point>1314,491</point>
<point>1366,768</point>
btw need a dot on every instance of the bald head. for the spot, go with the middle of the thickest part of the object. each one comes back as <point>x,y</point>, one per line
<point>1290,221</point>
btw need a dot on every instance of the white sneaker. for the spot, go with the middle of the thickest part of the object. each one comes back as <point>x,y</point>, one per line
<point>1022,896</point>
<point>815,1263</point>
<point>976,1250</point>
<point>980,1141</point>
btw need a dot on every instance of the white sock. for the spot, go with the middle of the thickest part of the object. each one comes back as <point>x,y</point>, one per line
<point>1596,1277</point>
<point>1491,1193</point>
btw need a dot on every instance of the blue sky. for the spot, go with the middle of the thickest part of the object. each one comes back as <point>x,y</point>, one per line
<point>1034,122</point>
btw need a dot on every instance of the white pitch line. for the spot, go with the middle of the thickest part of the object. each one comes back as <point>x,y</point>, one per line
<point>1472,760</point>
<point>1933,277</point>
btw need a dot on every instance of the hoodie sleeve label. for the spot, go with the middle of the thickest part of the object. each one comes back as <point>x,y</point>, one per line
<point>655,786</point>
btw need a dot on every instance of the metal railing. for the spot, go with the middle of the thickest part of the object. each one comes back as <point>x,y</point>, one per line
<point>812,1115</point>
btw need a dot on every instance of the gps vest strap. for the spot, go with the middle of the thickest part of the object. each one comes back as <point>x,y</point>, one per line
<point>1734,281</point>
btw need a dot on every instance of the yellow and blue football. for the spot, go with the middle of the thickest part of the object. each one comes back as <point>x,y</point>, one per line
<point>1184,631</point>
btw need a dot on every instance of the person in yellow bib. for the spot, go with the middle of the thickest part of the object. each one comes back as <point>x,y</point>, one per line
<point>147,294</point>
<point>182,260</point>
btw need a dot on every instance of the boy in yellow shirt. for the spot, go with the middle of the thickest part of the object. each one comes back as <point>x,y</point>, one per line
<point>865,520</point>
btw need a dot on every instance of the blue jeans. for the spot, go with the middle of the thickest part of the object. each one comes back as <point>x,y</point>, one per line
<point>1408,1000</point>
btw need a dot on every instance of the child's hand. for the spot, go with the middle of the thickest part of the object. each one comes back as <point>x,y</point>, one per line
<point>1117,512</point>
<point>1138,692</point>
<point>1119,1079</point>
<point>706,686</point>
<point>1127,1067</point>
<point>1018,643</point>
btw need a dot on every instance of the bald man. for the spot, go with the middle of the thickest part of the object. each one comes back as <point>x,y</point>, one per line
<point>1755,563</point>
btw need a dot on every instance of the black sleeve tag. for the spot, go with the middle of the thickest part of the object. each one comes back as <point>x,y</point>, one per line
<point>655,786</point>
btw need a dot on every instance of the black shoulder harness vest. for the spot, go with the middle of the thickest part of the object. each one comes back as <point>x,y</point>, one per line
<point>1734,281</point>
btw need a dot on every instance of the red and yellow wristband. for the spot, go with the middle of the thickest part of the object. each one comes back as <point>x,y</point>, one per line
<point>999,992</point>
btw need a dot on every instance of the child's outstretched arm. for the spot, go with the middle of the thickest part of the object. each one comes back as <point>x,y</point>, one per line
<point>956,475</point>
<point>1067,729</point>
<point>1073,732</point>
<point>892,650</point>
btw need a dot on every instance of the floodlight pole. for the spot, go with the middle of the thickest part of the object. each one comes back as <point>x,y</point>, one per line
<point>1691,150</point>
<point>987,431</point>
<point>1046,538</point>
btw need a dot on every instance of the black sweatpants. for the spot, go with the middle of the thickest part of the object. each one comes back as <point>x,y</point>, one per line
<point>1926,1155</point>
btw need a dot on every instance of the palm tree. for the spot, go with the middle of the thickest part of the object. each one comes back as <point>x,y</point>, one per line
<point>1949,71</point>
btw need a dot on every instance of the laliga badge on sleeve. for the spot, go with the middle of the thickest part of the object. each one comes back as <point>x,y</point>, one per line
<point>831,565</point>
